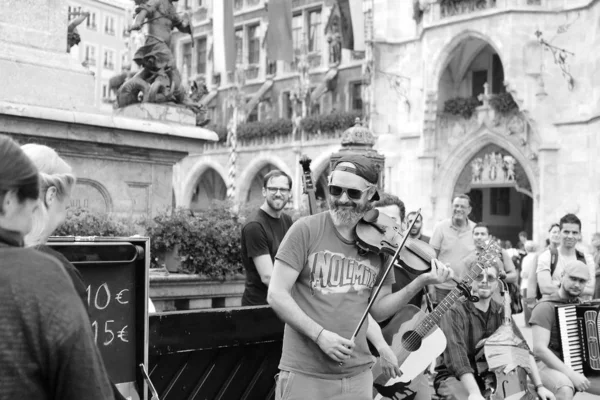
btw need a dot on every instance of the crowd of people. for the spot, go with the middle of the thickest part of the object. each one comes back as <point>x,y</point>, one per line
<point>315,277</point>
<point>319,282</point>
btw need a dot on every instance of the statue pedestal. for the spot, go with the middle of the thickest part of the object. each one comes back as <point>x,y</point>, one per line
<point>158,112</point>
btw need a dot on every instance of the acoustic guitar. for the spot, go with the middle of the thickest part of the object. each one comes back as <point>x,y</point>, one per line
<point>415,337</point>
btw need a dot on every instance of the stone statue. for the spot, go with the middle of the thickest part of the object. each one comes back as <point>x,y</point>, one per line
<point>116,81</point>
<point>73,37</point>
<point>197,92</point>
<point>509,168</point>
<point>334,38</point>
<point>158,81</point>
<point>476,170</point>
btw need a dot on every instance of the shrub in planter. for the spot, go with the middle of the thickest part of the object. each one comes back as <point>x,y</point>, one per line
<point>461,106</point>
<point>259,129</point>
<point>208,241</point>
<point>330,122</point>
<point>503,103</point>
<point>84,222</point>
<point>167,231</point>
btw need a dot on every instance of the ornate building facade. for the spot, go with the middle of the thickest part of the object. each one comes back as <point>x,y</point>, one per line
<point>496,98</point>
<point>331,81</point>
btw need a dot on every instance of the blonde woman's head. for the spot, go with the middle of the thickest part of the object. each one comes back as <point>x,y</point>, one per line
<point>56,183</point>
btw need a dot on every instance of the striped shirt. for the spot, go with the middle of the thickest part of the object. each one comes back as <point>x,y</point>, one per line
<point>464,326</point>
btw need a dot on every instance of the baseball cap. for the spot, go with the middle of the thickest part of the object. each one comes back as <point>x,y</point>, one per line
<point>362,166</point>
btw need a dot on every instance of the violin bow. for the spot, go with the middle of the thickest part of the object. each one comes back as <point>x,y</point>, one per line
<point>387,271</point>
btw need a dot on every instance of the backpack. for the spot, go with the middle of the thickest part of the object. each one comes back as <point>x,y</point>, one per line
<point>553,262</point>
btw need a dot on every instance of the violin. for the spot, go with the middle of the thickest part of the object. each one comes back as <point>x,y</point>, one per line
<point>376,232</point>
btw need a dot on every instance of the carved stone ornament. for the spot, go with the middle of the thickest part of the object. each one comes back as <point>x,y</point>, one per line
<point>358,135</point>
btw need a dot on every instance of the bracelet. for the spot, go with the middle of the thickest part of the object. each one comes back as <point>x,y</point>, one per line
<point>538,386</point>
<point>321,331</point>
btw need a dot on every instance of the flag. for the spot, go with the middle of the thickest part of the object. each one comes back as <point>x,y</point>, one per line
<point>352,24</point>
<point>279,34</point>
<point>224,37</point>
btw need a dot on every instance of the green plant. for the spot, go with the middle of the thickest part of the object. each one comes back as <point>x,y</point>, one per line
<point>85,222</point>
<point>208,240</point>
<point>259,129</point>
<point>461,106</point>
<point>330,122</point>
<point>503,103</point>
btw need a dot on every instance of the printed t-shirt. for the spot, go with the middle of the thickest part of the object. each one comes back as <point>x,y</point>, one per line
<point>453,245</point>
<point>333,288</point>
<point>544,265</point>
<point>261,235</point>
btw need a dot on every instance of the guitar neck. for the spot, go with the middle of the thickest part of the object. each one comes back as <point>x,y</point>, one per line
<point>432,319</point>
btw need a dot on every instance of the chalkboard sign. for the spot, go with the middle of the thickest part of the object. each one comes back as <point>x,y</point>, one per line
<point>115,271</point>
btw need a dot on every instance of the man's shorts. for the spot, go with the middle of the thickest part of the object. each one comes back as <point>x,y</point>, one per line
<point>552,379</point>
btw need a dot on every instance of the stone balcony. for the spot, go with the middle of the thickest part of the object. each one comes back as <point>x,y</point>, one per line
<point>441,12</point>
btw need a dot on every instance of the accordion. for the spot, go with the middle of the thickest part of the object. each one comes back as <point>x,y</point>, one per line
<point>579,333</point>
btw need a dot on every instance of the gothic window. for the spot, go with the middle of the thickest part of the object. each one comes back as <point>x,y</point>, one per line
<point>201,56</point>
<point>356,103</point>
<point>253,45</point>
<point>314,31</point>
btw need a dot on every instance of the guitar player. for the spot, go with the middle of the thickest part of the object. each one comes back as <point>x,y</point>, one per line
<point>465,325</point>
<point>562,380</point>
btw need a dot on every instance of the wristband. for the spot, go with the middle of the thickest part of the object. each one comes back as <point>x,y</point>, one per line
<point>321,331</point>
<point>538,386</point>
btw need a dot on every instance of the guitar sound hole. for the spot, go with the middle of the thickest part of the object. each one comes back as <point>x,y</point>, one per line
<point>411,341</point>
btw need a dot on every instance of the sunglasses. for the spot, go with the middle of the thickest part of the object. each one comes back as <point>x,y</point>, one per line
<point>490,278</point>
<point>353,194</point>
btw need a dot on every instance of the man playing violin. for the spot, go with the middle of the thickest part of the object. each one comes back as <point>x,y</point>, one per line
<point>465,325</point>
<point>321,286</point>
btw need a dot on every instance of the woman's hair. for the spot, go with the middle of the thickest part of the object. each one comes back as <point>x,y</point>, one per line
<point>54,172</point>
<point>17,172</point>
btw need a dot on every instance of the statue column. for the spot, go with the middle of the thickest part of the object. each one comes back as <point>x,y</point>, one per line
<point>360,140</point>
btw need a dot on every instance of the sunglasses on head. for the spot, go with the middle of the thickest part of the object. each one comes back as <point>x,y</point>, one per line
<point>490,278</point>
<point>353,194</point>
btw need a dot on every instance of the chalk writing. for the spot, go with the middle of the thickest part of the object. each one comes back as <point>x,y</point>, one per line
<point>123,334</point>
<point>119,299</point>
<point>101,301</point>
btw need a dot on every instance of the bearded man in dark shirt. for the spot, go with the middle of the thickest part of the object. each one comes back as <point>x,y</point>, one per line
<point>261,235</point>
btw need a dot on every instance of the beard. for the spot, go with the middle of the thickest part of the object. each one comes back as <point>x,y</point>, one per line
<point>276,204</point>
<point>347,213</point>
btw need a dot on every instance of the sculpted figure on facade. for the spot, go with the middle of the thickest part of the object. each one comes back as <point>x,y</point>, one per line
<point>334,38</point>
<point>158,80</point>
<point>509,168</point>
<point>73,37</point>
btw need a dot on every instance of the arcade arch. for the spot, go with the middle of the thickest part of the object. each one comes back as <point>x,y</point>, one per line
<point>251,180</point>
<point>209,186</point>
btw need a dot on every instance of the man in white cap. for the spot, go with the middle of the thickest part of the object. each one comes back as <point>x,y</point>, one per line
<point>562,380</point>
<point>321,285</point>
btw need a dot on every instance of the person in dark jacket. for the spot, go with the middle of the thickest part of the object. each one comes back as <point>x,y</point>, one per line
<point>47,350</point>
<point>56,183</point>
